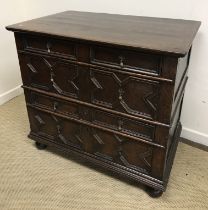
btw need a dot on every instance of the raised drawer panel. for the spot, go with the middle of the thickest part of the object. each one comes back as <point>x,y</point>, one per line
<point>126,59</point>
<point>131,127</point>
<point>53,128</point>
<point>114,122</point>
<point>49,45</point>
<point>114,148</point>
<point>53,104</point>
<point>125,93</point>
<point>52,75</point>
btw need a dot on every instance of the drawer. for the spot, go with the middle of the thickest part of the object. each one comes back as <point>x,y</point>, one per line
<point>117,149</point>
<point>53,104</point>
<point>124,125</point>
<point>126,59</point>
<point>49,45</point>
<point>95,116</point>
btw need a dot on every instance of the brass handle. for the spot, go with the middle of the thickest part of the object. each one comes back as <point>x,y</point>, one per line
<point>121,92</point>
<point>48,45</point>
<point>55,106</point>
<point>85,112</point>
<point>120,124</point>
<point>121,58</point>
<point>58,129</point>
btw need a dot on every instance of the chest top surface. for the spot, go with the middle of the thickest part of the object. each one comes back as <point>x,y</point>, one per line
<point>164,35</point>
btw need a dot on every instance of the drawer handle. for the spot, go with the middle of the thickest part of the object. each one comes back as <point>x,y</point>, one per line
<point>55,106</point>
<point>121,58</point>
<point>120,124</point>
<point>48,45</point>
<point>121,92</point>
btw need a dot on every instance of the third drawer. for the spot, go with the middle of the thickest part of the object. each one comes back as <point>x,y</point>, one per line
<point>97,117</point>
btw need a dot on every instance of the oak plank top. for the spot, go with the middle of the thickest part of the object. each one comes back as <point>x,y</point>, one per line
<point>174,36</point>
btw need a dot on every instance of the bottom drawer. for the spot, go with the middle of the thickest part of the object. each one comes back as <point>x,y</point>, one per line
<point>112,147</point>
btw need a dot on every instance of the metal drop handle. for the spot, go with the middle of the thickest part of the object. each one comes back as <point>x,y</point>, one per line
<point>55,106</point>
<point>121,58</point>
<point>48,45</point>
<point>120,124</point>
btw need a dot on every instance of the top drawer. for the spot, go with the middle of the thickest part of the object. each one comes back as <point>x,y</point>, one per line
<point>126,59</point>
<point>122,59</point>
<point>51,46</point>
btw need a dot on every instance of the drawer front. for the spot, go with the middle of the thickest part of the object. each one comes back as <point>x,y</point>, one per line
<point>53,104</point>
<point>123,151</point>
<point>124,93</point>
<point>97,117</point>
<point>124,125</point>
<point>126,59</point>
<point>49,45</point>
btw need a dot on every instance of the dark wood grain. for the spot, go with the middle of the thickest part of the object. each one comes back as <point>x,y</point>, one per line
<point>155,34</point>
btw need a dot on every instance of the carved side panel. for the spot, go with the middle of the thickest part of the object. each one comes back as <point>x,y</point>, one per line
<point>123,93</point>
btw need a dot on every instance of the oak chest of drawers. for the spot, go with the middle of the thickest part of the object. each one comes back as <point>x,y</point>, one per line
<point>107,88</point>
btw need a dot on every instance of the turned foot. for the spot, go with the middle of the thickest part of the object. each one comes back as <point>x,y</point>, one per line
<point>40,146</point>
<point>154,193</point>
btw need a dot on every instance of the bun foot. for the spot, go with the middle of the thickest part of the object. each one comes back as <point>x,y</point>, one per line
<point>154,193</point>
<point>40,146</point>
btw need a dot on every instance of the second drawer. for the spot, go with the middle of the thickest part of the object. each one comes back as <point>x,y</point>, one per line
<point>117,91</point>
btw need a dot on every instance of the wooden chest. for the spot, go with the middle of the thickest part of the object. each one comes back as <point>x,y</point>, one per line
<point>107,88</point>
